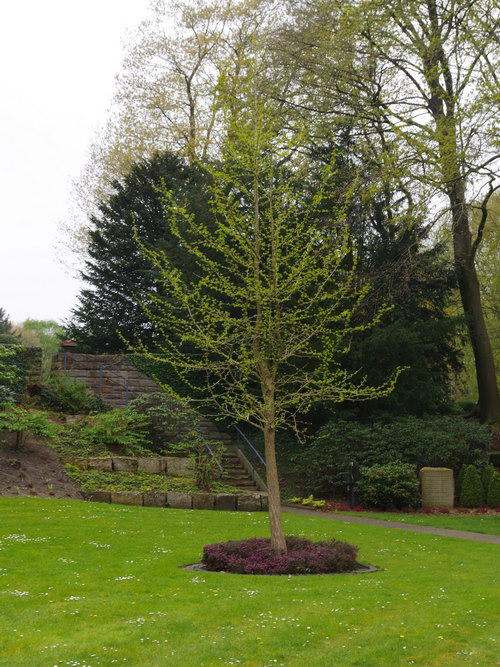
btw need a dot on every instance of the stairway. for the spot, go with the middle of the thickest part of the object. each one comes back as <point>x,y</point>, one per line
<point>235,473</point>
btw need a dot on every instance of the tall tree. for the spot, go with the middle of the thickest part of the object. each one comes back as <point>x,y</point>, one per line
<point>5,323</point>
<point>273,305</point>
<point>426,73</point>
<point>116,272</point>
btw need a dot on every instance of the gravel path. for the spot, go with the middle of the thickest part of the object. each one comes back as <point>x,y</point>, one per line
<point>431,530</point>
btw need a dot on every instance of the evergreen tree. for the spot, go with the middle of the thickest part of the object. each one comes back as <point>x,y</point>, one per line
<point>472,492</point>
<point>405,272</point>
<point>494,491</point>
<point>118,274</point>
<point>5,323</point>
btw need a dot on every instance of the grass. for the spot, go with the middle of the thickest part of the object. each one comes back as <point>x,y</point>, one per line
<point>91,584</point>
<point>478,524</point>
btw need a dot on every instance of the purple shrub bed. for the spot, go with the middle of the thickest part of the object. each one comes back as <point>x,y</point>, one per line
<point>254,556</point>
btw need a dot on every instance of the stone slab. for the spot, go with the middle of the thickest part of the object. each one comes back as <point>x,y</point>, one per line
<point>100,463</point>
<point>77,461</point>
<point>248,502</point>
<point>97,496</point>
<point>155,499</point>
<point>127,497</point>
<point>153,466</point>
<point>179,500</point>
<point>264,499</point>
<point>124,464</point>
<point>203,501</point>
<point>437,487</point>
<point>225,501</point>
<point>179,466</point>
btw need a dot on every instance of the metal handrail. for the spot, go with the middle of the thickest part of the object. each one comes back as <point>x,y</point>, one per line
<point>247,441</point>
<point>212,455</point>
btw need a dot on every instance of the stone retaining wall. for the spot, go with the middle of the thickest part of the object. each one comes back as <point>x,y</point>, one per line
<point>242,502</point>
<point>176,466</point>
<point>111,376</point>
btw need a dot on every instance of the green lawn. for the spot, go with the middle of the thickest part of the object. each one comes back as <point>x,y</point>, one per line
<point>91,584</point>
<point>475,523</point>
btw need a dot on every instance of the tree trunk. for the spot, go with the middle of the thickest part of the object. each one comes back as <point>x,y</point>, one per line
<point>278,544</point>
<point>489,397</point>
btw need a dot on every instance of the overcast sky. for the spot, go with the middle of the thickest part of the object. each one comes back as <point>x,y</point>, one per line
<point>58,62</point>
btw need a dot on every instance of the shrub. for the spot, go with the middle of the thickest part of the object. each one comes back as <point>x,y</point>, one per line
<point>385,486</point>
<point>493,497</point>
<point>471,493</point>
<point>254,556</point>
<point>170,420</point>
<point>65,394</point>
<point>495,459</point>
<point>458,482</point>
<point>487,476</point>
<point>321,467</point>
<point>26,422</point>
<point>116,431</point>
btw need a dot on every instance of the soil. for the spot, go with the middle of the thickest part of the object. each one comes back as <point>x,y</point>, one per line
<point>35,470</point>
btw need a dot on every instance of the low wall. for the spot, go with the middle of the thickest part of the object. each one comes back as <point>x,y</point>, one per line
<point>242,502</point>
<point>176,466</point>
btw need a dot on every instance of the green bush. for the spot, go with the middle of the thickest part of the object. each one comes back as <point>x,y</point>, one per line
<point>487,476</point>
<point>493,497</point>
<point>113,432</point>
<point>394,485</point>
<point>169,420</point>
<point>471,492</point>
<point>321,466</point>
<point>26,422</point>
<point>495,459</point>
<point>458,482</point>
<point>65,394</point>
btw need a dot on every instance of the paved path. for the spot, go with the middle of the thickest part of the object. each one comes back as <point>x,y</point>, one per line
<point>444,532</point>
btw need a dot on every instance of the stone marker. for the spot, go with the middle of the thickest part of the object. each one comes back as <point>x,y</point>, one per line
<point>150,465</point>
<point>155,499</point>
<point>437,487</point>
<point>248,502</point>
<point>203,501</point>
<point>179,500</point>
<point>179,467</point>
<point>225,501</point>
<point>97,496</point>
<point>127,497</point>
<point>100,463</point>
<point>124,464</point>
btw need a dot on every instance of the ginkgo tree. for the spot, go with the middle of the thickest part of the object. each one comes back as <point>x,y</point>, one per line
<point>274,299</point>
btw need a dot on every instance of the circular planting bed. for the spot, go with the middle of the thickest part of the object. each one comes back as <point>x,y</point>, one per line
<point>254,556</point>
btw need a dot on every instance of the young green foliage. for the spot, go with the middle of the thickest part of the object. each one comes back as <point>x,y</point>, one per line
<point>273,301</point>
<point>26,422</point>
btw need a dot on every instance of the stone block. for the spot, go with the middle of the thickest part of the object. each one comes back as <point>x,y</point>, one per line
<point>179,466</point>
<point>203,501</point>
<point>124,464</point>
<point>100,463</point>
<point>179,500</point>
<point>127,497</point>
<point>76,461</point>
<point>264,499</point>
<point>437,487</point>
<point>150,465</point>
<point>97,496</point>
<point>248,502</point>
<point>225,501</point>
<point>155,499</point>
